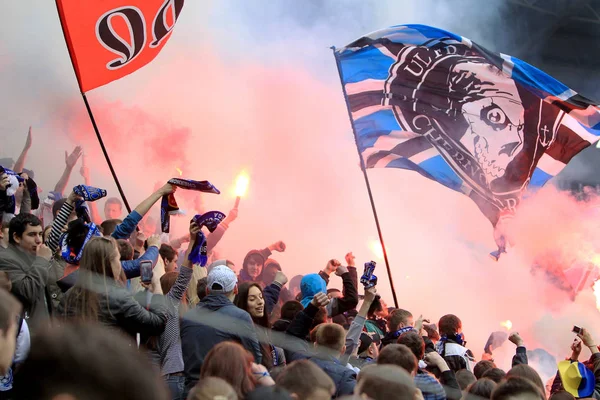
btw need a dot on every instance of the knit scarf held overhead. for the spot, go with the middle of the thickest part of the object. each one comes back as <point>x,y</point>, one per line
<point>168,205</point>
<point>89,193</point>
<point>210,220</point>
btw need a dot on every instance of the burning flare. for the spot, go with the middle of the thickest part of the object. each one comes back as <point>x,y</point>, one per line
<point>179,171</point>
<point>241,184</point>
<point>375,246</point>
<point>506,324</point>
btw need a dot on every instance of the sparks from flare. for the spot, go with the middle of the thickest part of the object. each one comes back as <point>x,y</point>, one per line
<point>376,249</point>
<point>179,171</point>
<point>506,324</point>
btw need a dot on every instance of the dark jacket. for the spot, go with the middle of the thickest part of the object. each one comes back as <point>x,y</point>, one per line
<point>55,273</point>
<point>28,275</point>
<point>244,276</point>
<point>349,300</point>
<point>117,308</point>
<point>343,377</point>
<point>216,319</point>
<point>457,357</point>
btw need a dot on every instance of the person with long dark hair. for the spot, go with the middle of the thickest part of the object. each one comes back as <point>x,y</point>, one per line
<point>100,296</point>
<point>251,299</point>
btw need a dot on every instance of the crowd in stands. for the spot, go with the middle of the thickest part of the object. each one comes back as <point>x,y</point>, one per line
<point>80,320</point>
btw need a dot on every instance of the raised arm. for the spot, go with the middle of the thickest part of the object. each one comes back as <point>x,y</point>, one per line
<point>70,161</point>
<point>85,173</point>
<point>185,272</point>
<point>353,335</point>
<point>60,222</point>
<point>20,164</point>
<point>127,227</point>
<point>350,294</point>
<point>520,356</point>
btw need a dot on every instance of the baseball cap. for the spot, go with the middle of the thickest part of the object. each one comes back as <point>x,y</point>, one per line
<point>366,339</point>
<point>221,279</point>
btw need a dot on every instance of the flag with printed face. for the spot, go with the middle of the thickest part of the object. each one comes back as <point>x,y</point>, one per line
<point>108,39</point>
<point>481,123</point>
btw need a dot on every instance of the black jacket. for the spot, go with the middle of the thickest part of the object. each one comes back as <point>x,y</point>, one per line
<point>216,319</point>
<point>117,308</point>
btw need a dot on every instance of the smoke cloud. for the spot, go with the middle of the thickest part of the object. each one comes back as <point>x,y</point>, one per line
<point>245,88</point>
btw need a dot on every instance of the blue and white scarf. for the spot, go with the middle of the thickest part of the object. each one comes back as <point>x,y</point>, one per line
<point>210,220</point>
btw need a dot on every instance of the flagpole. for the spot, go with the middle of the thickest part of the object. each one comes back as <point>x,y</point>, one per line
<point>364,171</point>
<point>110,166</point>
<point>91,115</point>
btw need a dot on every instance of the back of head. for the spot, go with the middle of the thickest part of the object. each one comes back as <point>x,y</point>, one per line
<point>465,378</point>
<point>414,342</point>
<point>385,382</point>
<point>221,280</point>
<point>168,280</point>
<point>481,367</point>
<point>562,395</point>
<point>312,284</point>
<point>525,371</point>
<point>399,355</point>
<point>230,362</point>
<point>98,255</point>
<point>331,336</point>
<point>290,309</point>
<point>483,388</point>
<point>295,283</point>
<point>449,325</point>
<point>108,227</point>
<point>399,318</point>
<point>269,393</point>
<point>210,388</point>
<point>18,225</point>
<point>86,361</point>
<point>77,231</point>
<point>306,380</point>
<point>125,249</point>
<point>517,388</point>
<point>167,252</point>
<point>495,374</point>
<point>201,288</point>
<point>6,218</point>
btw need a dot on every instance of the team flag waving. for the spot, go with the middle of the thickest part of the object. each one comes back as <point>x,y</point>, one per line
<point>108,39</point>
<point>481,123</point>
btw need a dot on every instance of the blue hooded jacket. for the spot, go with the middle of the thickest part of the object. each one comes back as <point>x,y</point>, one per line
<point>310,285</point>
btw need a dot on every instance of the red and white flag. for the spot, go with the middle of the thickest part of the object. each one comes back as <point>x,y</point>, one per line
<point>108,39</point>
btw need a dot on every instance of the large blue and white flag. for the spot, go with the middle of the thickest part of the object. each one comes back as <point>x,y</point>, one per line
<point>481,123</point>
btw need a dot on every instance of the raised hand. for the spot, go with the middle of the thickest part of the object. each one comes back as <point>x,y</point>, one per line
<point>29,140</point>
<point>320,300</point>
<point>280,278</point>
<point>153,240</point>
<point>277,246</point>
<point>516,339</point>
<point>4,182</point>
<point>350,259</point>
<point>71,159</point>
<point>341,270</point>
<point>331,266</point>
